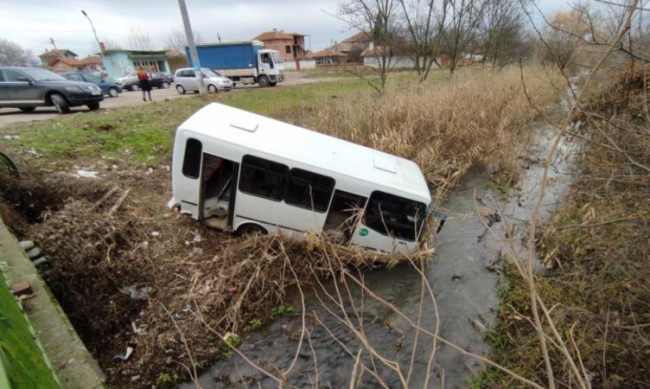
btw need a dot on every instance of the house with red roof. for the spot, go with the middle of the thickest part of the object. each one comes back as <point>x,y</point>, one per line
<point>348,50</point>
<point>290,45</point>
<point>48,57</point>
<point>67,64</point>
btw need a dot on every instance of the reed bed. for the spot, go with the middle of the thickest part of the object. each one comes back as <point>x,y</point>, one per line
<point>481,116</point>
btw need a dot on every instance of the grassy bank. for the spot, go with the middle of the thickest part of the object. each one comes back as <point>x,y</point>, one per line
<point>202,280</point>
<point>143,135</point>
<point>596,249</point>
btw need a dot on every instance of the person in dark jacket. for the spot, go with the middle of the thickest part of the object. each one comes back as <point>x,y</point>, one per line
<point>145,85</point>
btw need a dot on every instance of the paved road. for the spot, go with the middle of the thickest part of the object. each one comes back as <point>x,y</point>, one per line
<point>128,99</point>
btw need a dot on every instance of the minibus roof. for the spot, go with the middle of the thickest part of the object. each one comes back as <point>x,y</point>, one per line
<point>308,147</point>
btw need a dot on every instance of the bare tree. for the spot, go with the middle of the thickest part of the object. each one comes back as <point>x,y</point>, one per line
<point>176,40</point>
<point>424,22</point>
<point>377,17</point>
<point>461,31</point>
<point>501,31</point>
<point>109,44</point>
<point>139,40</point>
<point>12,54</point>
<point>564,35</point>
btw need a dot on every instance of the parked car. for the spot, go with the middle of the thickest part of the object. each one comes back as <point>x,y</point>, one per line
<point>109,88</point>
<point>186,79</point>
<point>160,80</point>
<point>129,81</point>
<point>27,88</point>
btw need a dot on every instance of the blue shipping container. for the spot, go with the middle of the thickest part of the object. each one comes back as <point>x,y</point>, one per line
<point>227,55</point>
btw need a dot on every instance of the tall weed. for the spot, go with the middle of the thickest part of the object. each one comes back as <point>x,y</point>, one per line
<point>478,116</point>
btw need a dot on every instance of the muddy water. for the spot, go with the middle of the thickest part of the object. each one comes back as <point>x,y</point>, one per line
<point>464,278</point>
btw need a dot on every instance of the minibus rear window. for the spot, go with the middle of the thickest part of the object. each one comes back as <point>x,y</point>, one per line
<point>309,190</point>
<point>394,216</point>
<point>192,158</point>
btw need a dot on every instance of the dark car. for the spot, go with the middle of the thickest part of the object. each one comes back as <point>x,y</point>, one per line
<point>109,88</point>
<point>28,88</point>
<point>160,80</point>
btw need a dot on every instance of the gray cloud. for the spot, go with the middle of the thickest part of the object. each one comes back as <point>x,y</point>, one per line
<point>31,23</point>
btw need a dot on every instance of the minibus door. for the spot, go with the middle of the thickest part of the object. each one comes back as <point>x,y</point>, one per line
<point>218,178</point>
<point>345,210</point>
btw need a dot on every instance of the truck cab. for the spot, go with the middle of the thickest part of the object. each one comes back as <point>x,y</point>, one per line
<point>270,68</point>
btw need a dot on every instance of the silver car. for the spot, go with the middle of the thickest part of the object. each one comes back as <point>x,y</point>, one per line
<point>186,79</point>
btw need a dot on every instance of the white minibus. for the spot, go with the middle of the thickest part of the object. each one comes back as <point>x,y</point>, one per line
<point>242,172</point>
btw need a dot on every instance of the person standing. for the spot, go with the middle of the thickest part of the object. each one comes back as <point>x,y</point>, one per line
<point>145,85</point>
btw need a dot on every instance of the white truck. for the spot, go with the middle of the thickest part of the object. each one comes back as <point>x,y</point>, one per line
<point>245,62</point>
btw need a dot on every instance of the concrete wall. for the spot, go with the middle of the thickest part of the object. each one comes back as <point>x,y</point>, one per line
<point>395,62</point>
<point>305,64</point>
<point>118,64</point>
<point>75,367</point>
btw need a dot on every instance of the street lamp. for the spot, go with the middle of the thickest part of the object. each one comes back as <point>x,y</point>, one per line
<point>101,52</point>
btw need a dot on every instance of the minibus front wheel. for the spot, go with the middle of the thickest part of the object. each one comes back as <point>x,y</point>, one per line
<point>250,229</point>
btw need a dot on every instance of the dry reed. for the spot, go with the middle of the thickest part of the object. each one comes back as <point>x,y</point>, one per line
<point>478,117</point>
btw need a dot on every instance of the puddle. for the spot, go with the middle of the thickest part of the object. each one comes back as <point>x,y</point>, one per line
<point>464,282</point>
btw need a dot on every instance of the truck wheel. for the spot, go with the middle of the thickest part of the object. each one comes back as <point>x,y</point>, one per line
<point>180,89</point>
<point>60,103</point>
<point>113,92</point>
<point>263,81</point>
<point>94,106</point>
<point>212,89</point>
<point>135,88</point>
<point>165,85</point>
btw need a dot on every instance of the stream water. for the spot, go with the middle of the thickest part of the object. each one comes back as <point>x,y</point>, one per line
<point>464,278</point>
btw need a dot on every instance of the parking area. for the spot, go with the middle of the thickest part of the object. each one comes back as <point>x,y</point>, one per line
<point>131,99</point>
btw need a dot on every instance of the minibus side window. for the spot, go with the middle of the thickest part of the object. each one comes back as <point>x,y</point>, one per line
<point>261,177</point>
<point>309,190</point>
<point>192,158</point>
<point>394,216</point>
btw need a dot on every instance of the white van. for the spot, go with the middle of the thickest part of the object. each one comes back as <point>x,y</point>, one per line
<point>241,172</point>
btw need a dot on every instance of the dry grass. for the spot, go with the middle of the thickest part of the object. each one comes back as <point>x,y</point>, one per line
<point>596,249</point>
<point>102,245</point>
<point>478,117</point>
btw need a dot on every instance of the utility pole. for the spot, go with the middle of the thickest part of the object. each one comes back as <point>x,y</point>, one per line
<point>99,46</point>
<point>190,42</point>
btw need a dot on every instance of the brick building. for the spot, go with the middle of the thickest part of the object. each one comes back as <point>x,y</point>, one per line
<point>290,45</point>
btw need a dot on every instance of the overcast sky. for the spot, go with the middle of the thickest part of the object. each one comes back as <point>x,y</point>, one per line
<point>31,23</point>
